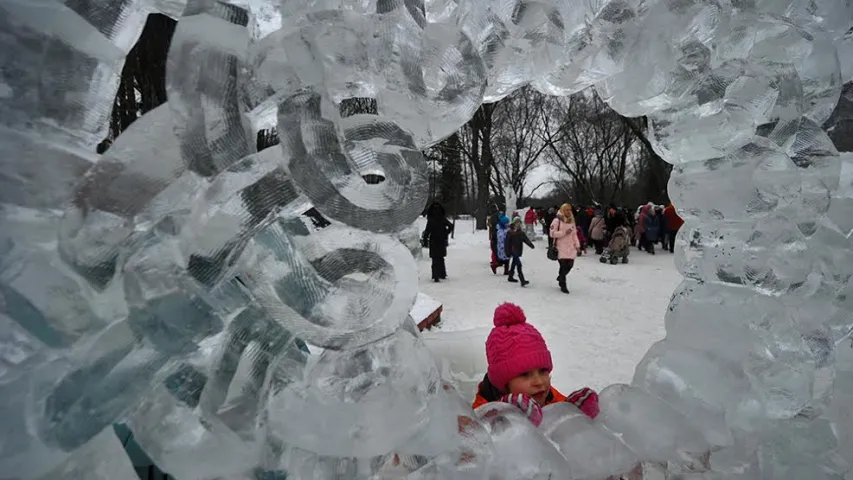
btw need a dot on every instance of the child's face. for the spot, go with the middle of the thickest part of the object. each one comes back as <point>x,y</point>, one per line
<point>535,383</point>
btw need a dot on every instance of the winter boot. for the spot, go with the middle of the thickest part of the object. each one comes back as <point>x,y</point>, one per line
<point>510,279</point>
<point>563,287</point>
<point>524,283</point>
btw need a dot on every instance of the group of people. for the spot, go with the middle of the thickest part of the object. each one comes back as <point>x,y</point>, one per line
<point>598,227</point>
<point>570,231</point>
<point>507,238</point>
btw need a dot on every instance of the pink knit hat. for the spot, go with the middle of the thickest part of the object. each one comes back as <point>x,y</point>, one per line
<point>514,346</point>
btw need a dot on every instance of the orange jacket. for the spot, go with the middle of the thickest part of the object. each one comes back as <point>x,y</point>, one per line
<point>554,397</point>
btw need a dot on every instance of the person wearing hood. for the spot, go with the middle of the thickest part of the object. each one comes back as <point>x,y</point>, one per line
<point>501,231</point>
<point>435,236</point>
<point>673,224</point>
<point>640,231</point>
<point>492,224</point>
<point>652,226</point>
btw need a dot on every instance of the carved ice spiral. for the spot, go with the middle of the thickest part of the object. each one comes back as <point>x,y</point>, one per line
<point>171,284</point>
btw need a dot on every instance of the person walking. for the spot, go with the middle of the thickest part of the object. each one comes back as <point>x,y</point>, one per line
<point>435,236</point>
<point>515,241</point>
<point>564,233</point>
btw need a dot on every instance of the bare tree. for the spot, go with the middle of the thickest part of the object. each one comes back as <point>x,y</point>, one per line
<point>476,146</point>
<point>652,171</point>
<point>518,144</point>
<point>591,145</point>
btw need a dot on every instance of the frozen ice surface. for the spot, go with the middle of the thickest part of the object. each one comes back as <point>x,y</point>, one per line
<point>647,425</point>
<point>170,283</point>
<point>591,450</point>
<point>521,451</point>
<point>382,393</point>
<point>102,458</point>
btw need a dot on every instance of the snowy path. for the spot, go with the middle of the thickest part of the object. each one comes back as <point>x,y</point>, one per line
<point>596,335</point>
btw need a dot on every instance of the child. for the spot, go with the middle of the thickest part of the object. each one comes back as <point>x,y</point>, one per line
<point>620,243</point>
<point>515,240</point>
<point>520,366</point>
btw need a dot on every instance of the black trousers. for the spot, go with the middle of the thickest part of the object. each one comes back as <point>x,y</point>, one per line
<point>599,246</point>
<point>669,240</point>
<point>438,269</point>
<point>515,265</point>
<point>565,267</point>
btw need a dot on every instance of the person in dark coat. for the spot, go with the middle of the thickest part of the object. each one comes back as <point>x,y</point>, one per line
<point>652,223</point>
<point>610,220</point>
<point>550,215</point>
<point>583,222</point>
<point>435,235</point>
<point>515,240</point>
<point>662,229</point>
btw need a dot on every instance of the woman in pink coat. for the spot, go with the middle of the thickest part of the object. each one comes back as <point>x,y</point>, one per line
<point>564,233</point>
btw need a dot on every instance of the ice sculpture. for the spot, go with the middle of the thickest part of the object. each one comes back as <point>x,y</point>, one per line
<point>169,284</point>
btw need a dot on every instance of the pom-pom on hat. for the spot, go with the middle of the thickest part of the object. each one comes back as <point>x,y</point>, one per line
<point>514,346</point>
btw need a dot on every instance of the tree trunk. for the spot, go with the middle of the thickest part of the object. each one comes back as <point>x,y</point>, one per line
<point>658,170</point>
<point>481,159</point>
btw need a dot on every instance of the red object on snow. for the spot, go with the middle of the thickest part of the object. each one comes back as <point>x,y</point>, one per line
<point>426,311</point>
<point>430,320</point>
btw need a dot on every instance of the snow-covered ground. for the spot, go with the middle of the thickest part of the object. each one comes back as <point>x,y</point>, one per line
<point>596,334</point>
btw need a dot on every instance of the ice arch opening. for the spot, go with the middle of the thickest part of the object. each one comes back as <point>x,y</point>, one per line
<point>167,282</point>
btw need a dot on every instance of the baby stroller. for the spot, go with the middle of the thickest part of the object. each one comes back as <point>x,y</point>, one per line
<point>619,247</point>
<point>614,257</point>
